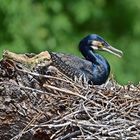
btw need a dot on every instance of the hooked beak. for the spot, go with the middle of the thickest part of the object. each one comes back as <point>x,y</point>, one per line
<point>97,45</point>
<point>113,50</point>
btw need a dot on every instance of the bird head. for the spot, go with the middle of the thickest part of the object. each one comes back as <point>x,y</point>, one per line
<point>95,42</point>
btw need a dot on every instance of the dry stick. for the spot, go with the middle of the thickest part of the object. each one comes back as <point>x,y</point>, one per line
<point>69,115</point>
<point>113,132</point>
<point>41,75</point>
<point>71,81</point>
<point>56,133</point>
<point>88,124</point>
<point>109,116</point>
<point>48,76</point>
<point>82,133</point>
<point>66,91</point>
<point>52,77</point>
<point>102,94</point>
<point>31,122</point>
<point>71,135</point>
<point>93,135</point>
<point>26,88</point>
<point>47,125</point>
<point>53,125</point>
<point>130,107</point>
<point>52,87</point>
<point>72,93</point>
<point>49,86</point>
<point>89,114</point>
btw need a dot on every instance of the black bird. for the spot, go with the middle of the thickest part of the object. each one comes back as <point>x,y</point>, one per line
<point>94,68</point>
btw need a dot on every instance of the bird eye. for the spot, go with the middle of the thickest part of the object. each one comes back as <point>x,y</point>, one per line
<point>103,43</point>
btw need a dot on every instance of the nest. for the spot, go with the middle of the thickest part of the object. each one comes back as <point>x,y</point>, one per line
<point>41,103</point>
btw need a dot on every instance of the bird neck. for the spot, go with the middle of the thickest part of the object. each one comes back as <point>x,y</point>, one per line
<point>93,57</point>
<point>89,54</point>
<point>101,67</point>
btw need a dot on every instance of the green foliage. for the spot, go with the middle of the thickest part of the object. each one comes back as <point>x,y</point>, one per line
<point>38,25</point>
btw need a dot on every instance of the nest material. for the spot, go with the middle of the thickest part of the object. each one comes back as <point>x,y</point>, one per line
<point>41,103</point>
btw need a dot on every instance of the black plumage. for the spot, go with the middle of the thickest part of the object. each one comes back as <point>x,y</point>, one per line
<point>94,68</point>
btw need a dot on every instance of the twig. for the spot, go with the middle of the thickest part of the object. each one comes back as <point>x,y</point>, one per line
<point>51,77</point>
<point>65,91</point>
<point>53,125</point>
<point>71,135</point>
<point>88,114</point>
<point>29,124</point>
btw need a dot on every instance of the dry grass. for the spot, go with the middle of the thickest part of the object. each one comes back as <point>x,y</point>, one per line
<point>44,104</point>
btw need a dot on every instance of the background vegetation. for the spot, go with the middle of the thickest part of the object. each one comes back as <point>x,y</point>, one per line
<point>58,25</point>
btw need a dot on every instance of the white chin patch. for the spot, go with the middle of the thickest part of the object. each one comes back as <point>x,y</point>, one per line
<point>94,47</point>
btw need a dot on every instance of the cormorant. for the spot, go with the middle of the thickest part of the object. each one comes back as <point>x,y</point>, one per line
<point>94,68</point>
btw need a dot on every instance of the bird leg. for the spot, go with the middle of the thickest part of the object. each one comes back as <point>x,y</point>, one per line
<point>29,61</point>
